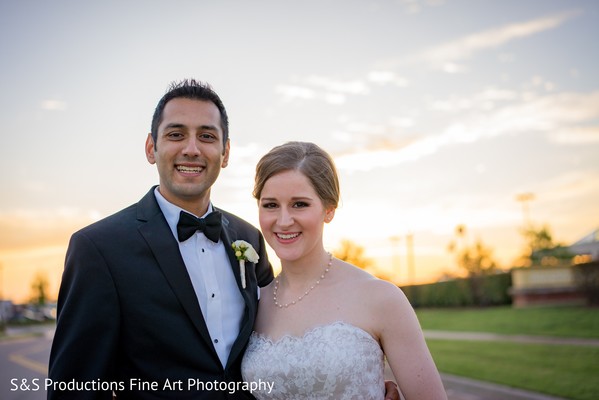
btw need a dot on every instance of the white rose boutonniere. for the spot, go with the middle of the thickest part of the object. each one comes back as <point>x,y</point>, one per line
<point>244,252</point>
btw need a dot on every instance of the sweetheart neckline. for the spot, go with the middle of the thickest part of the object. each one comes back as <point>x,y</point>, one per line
<point>311,331</point>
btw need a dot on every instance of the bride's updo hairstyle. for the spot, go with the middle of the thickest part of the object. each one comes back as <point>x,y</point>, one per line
<point>309,159</point>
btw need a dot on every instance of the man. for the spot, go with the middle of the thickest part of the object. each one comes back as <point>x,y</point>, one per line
<point>149,307</point>
<point>138,308</point>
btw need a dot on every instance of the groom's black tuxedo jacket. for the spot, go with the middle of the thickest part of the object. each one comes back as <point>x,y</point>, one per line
<point>127,310</point>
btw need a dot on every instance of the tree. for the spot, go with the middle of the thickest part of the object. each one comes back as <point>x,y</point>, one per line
<point>541,249</point>
<point>476,259</point>
<point>353,254</point>
<point>539,238</point>
<point>39,288</point>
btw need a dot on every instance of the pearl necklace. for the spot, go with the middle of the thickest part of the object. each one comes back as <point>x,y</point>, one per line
<point>294,302</point>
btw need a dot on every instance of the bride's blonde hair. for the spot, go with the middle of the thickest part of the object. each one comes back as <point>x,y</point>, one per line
<point>307,158</point>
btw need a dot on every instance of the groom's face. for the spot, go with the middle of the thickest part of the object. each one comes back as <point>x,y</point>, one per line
<point>189,151</point>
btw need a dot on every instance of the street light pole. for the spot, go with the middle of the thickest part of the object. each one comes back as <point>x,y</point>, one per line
<point>524,198</point>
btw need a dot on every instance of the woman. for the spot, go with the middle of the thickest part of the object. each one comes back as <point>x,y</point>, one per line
<point>323,325</point>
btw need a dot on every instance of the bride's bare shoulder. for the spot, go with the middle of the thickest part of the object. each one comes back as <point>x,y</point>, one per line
<point>368,282</point>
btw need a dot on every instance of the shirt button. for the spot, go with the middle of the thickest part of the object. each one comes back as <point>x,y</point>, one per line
<point>215,340</point>
<point>212,295</point>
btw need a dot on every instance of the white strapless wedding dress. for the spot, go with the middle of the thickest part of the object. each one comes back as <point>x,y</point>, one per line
<point>336,361</point>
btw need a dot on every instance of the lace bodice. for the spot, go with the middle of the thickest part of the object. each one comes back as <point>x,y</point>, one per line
<point>335,361</point>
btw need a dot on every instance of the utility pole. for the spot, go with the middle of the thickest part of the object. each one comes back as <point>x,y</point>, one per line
<point>395,244</point>
<point>527,230</point>
<point>410,256</point>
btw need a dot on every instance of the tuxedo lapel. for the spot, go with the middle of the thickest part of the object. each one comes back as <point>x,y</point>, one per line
<point>163,245</point>
<point>228,236</point>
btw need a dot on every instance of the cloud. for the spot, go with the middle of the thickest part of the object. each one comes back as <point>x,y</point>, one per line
<point>54,105</point>
<point>392,154</point>
<point>335,91</point>
<point>556,115</point>
<point>551,113</point>
<point>454,68</point>
<point>485,100</point>
<point>314,87</point>
<point>416,6</point>
<point>569,185</point>
<point>446,56</point>
<point>576,135</point>
<point>337,86</point>
<point>241,169</point>
<point>386,77</point>
<point>291,92</point>
<point>295,92</point>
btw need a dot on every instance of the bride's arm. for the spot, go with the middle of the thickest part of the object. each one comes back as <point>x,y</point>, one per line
<point>403,343</point>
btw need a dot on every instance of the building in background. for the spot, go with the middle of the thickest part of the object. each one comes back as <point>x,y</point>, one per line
<point>561,283</point>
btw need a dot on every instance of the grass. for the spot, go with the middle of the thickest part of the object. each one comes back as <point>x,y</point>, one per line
<point>576,322</point>
<point>559,370</point>
<point>564,371</point>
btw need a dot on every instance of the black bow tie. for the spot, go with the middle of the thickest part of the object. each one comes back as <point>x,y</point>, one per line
<point>189,224</point>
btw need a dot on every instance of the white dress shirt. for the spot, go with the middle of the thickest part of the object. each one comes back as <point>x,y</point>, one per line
<point>213,281</point>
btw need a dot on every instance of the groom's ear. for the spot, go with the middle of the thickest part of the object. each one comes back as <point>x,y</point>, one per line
<point>226,151</point>
<point>150,149</point>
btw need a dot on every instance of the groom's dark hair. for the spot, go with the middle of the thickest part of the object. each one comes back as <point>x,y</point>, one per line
<point>194,90</point>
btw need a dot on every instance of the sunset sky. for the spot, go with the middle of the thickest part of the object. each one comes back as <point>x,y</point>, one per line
<point>437,113</point>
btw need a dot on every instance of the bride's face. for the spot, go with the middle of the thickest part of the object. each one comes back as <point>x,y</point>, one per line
<point>292,216</point>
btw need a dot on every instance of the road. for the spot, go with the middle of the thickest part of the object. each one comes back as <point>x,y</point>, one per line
<point>23,366</point>
<point>24,360</point>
